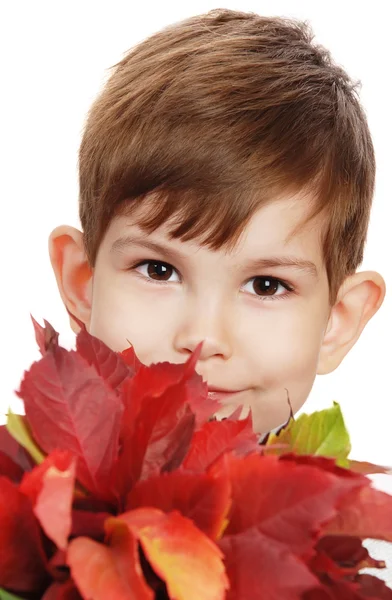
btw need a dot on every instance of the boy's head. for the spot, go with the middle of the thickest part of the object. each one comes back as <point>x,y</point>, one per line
<point>226,179</point>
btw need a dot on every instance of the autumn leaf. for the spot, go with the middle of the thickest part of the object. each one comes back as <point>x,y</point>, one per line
<point>157,425</point>
<point>216,437</point>
<point>358,587</point>
<point>259,566</point>
<point>101,572</point>
<point>367,468</point>
<point>201,497</point>
<point>50,487</point>
<point>18,428</point>
<point>152,381</point>
<point>185,558</point>
<point>289,499</point>
<point>278,506</point>
<point>46,336</point>
<point>158,438</point>
<point>364,587</point>
<point>323,433</point>
<point>13,450</point>
<point>89,524</point>
<point>110,365</point>
<point>131,360</point>
<point>23,565</point>
<point>7,596</point>
<point>62,591</point>
<point>69,406</point>
<point>366,513</point>
<point>341,555</point>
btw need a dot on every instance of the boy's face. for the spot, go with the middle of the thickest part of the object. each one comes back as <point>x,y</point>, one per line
<point>165,296</point>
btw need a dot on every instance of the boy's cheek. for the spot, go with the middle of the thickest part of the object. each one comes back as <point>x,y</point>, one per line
<point>119,319</point>
<point>271,406</point>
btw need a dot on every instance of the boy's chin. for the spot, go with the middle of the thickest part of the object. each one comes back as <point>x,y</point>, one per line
<point>228,410</point>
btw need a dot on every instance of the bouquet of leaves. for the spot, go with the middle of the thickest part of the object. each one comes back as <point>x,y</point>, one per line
<point>118,484</point>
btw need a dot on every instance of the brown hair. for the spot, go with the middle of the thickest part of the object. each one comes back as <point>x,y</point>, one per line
<point>219,114</point>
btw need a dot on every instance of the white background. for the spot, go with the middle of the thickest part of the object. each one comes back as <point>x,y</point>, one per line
<point>54,59</point>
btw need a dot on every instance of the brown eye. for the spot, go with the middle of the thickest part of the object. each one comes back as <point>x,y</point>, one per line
<point>264,286</point>
<point>160,271</point>
<point>157,270</point>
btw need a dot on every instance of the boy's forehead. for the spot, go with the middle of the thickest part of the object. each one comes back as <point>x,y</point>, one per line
<point>278,225</point>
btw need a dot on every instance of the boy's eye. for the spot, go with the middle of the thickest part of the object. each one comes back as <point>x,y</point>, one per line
<point>267,286</point>
<point>157,270</point>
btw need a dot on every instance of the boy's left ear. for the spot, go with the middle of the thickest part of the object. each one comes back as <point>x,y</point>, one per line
<point>359,298</point>
<point>73,274</point>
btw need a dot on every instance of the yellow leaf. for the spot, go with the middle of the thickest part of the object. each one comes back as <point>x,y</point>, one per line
<point>17,427</point>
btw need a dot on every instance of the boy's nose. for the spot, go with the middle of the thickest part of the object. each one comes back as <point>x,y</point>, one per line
<point>213,331</point>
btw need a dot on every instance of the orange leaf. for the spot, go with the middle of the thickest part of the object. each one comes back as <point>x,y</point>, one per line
<point>50,486</point>
<point>184,557</point>
<point>114,571</point>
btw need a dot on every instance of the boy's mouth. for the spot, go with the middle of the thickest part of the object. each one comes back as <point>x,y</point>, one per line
<point>223,395</point>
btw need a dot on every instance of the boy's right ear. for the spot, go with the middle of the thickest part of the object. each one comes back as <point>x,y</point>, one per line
<point>73,273</point>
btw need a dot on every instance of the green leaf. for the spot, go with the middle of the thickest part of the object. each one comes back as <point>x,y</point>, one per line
<point>7,596</point>
<point>17,427</point>
<point>322,433</point>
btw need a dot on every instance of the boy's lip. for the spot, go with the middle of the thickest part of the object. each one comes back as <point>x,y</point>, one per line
<point>222,394</point>
<point>212,388</point>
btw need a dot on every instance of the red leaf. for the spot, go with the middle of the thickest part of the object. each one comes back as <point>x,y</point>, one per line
<point>259,566</point>
<point>57,566</point>
<point>200,497</point>
<point>184,557</point>
<point>215,438</point>
<point>10,447</point>
<point>177,447</point>
<point>23,565</point>
<point>289,500</point>
<point>157,430</point>
<point>62,591</point>
<point>157,425</point>
<point>89,524</point>
<point>347,552</point>
<point>46,336</point>
<point>158,436</point>
<point>365,513</point>
<point>373,587</point>
<point>364,587</point>
<point>326,464</point>
<point>109,365</point>
<point>10,469</point>
<point>50,486</point>
<point>129,357</point>
<point>152,381</point>
<point>69,406</point>
<point>336,563</point>
<point>102,572</point>
<point>367,468</point>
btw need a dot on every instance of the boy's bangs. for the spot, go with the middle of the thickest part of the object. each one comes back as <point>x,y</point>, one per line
<point>213,220</point>
<point>216,221</point>
<point>208,185</point>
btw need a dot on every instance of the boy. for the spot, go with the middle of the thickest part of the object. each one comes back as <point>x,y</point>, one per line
<point>226,180</point>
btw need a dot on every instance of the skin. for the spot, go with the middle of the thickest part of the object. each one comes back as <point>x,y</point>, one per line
<point>259,339</point>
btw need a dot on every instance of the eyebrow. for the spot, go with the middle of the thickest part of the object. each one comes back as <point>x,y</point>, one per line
<point>255,265</point>
<point>292,262</point>
<point>129,240</point>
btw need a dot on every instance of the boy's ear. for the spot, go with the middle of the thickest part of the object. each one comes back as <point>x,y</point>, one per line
<point>73,274</point>
<point>359,298</point>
